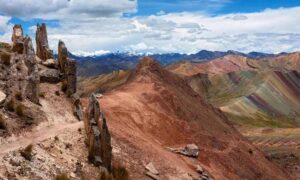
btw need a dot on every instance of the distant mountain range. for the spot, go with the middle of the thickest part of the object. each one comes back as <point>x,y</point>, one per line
<point>106,63</point>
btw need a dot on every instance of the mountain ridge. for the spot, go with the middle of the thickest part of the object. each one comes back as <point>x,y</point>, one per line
<point>106,63</point>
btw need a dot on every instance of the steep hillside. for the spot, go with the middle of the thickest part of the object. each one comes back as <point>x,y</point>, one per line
<point>103,82</point>
<point>261,97</point>
<point>156,109</point>
<point>269,98</point>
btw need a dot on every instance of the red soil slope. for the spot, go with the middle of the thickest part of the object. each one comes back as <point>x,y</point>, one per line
<point>156,109</point>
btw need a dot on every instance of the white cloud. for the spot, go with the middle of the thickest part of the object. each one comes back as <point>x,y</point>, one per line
<point>95,53</point>
<point>188,32</point>
<point>66,9</point>
<point>5,29</point>
<point>4,25</point>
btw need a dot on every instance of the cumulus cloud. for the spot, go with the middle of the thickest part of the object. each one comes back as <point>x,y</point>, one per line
<point>272,30</point>
<point>4,23</point>
<point>66,9</point>
<point>267,31</point>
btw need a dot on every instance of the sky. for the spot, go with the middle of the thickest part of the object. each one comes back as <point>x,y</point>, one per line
<point>95,27</point>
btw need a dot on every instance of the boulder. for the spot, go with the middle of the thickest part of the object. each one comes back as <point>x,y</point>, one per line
<point>190,150</point>
<point>199,169</point>
<point>2,97</point>
<point>50,63</point>
<point>150,167</point>
<point>151,171</point>
<point>50,76</point>
<point>42,47</point>
<point>152,176</point>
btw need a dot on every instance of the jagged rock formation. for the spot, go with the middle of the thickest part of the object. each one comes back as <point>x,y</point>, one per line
<point>77,107</point>
<point>99,140</point>
<point>42,47</point>
<point>62,55</point>
<point>17,33</point>
<point>68,68</point>
<point>71,76</point>
<point>17,39</point>
<point>21,71</point>
<point>32,89</point>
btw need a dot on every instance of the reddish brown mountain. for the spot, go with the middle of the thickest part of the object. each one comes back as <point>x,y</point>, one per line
<point>156,109</point>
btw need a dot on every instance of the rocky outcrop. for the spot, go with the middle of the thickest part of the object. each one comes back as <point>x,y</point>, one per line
<point>17,39</point>
<point>32,89</point>
<point>42,47</point>
<point>50,76</point>
<point>77,107</point>
<point>17,35</point>
<point>98,136</point>
<point>71,76</point>
<point>62,56</point>
<point>68,68</point>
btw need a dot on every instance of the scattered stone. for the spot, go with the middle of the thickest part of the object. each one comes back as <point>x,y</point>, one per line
<point>50,76</point>
<point>152,176</point>
<point>199,169</point>
<point>72,175</point>
<point>190,150</point>
<point>2,97</point>
<point>15,161</point>
<point>42,47</point>
<point>98,95</point>
<point>150,167</point>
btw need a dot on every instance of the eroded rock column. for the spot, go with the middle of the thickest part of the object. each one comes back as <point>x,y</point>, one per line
<point>17,39</point>
<point>42,47</point>
<point>68,68</point>
<point>32,89</point>
<point>98,136</point>
<point>62,56</point>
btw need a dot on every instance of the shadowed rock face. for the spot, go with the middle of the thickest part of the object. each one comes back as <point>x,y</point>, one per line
<point>71,76</point>
<point>99,139</point>
<point>67,67</point>
<point>32,89</point>
<point>42,47</point>
<point>62,55</point>
<point>21,76</point>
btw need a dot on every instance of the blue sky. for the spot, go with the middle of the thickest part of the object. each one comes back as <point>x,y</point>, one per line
<point>159,26</point>
<point>214,7</point>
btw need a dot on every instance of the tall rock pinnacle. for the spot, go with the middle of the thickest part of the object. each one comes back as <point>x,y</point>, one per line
<point>42,47</point>
<point>99,139</point>
<point>17,39</point>
<point>67,67</point>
